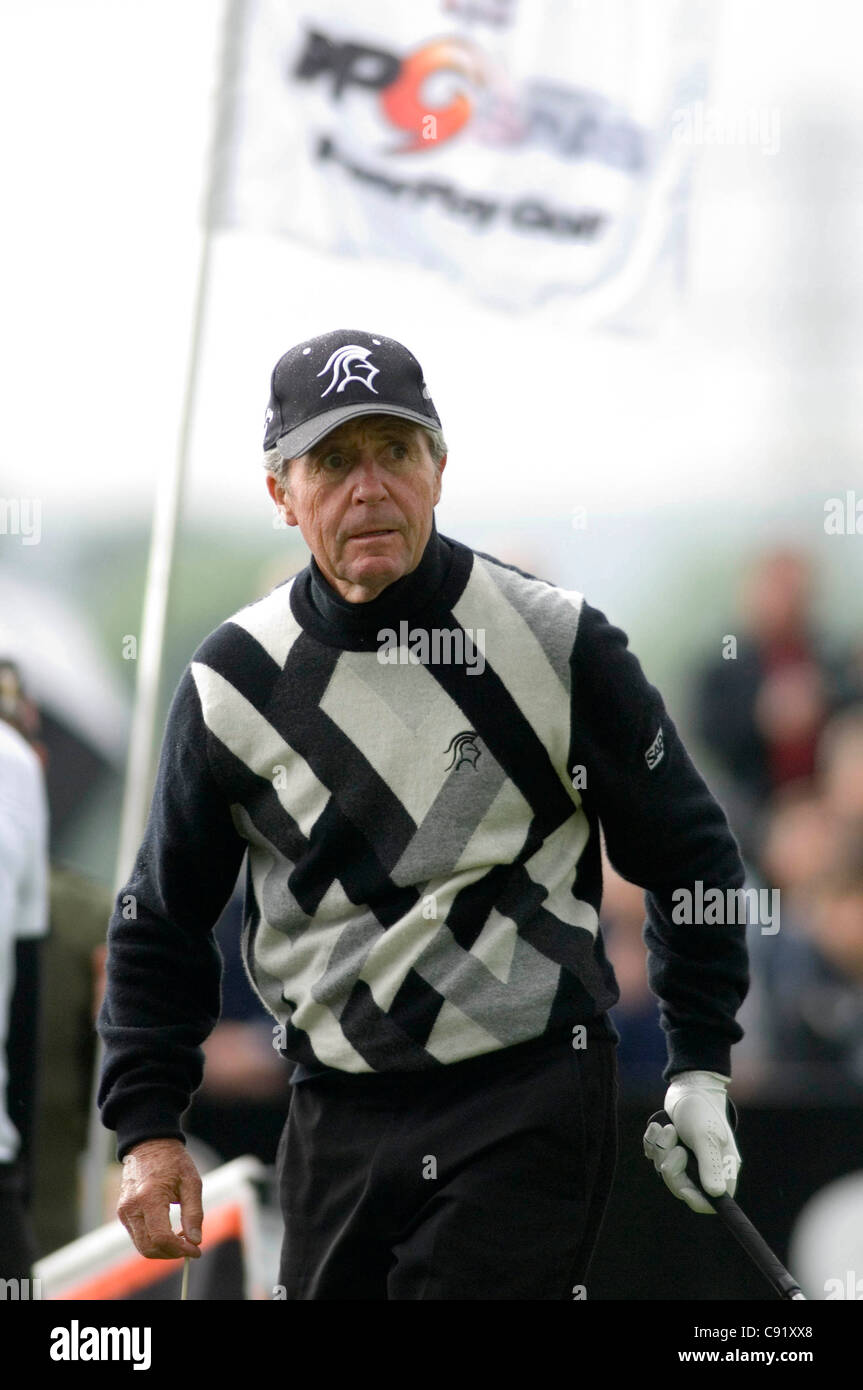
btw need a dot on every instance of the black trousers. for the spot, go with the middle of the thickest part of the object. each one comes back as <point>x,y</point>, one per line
<point>487,1179</point>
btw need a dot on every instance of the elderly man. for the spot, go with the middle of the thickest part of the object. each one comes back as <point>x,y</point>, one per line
<point>415,745</point>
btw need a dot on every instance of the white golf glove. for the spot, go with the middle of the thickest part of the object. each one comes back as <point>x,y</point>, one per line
<point>695,1102</point>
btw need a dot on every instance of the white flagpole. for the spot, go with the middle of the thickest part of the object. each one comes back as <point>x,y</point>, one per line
<point>139,767</point>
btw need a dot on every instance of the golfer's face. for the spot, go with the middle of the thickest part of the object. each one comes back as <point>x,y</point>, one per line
<point>363,500</point>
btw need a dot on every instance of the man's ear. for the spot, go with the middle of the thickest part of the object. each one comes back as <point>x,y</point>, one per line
<point>282,500</point>
<point>440,468</point>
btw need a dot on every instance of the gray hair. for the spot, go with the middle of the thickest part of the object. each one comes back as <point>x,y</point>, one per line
<point>280,468</point>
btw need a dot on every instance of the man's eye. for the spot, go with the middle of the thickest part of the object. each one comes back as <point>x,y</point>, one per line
<point>333,462</point>
<point>399,450</point>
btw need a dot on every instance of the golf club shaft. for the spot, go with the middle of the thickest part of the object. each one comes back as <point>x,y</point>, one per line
<point>742,1229</point>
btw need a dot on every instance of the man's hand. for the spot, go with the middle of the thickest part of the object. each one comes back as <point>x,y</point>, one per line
<point>155,1174</point>
<point>696,1103</point>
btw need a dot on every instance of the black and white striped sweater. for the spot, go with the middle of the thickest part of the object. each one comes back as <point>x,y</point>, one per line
<point>419,782</point>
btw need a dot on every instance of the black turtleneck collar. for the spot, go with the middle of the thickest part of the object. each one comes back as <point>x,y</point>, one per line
<point>355,626</point>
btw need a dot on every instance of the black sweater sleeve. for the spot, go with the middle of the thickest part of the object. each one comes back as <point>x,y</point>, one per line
<point>666,832</point>
<point>163,969</point>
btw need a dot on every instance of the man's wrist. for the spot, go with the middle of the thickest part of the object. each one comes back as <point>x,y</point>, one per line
<point>151,1143</point>
<point>134,1141</point>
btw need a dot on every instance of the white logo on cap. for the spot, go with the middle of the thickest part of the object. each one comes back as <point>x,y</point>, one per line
<point>342,361</point>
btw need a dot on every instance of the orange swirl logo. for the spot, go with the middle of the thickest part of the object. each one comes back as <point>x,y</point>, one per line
<point>403,102</point>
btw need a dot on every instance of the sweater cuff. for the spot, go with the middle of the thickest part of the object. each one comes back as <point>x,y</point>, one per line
<point>688,1051</point>
<point>155,1119</point>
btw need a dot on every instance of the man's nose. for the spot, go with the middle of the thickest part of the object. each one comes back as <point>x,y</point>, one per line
<point>368,475</point>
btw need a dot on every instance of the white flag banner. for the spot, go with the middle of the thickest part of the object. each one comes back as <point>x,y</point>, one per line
<point>526,148</point>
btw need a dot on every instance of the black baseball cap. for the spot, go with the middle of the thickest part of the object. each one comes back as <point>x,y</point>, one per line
<point>337,376</point>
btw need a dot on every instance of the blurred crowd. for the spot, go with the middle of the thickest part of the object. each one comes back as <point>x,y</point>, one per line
<point>775,725</point>
<point>776,721</point>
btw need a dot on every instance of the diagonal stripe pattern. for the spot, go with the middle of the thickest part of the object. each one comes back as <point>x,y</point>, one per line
<point>407,907</point>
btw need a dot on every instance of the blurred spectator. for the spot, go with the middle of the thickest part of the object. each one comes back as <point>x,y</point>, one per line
<point>807,998</point>
<point>810,973</point>
<point>23,921</point>
<point>798,843</point>
<point>79,912</point>
<point>59,1009</point>
<point>840,766</point>
<point>760,712</point>
<point>798,847</point>
<point>18,710</point>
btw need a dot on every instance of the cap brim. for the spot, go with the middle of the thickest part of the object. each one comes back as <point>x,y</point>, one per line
<point>306,436</point>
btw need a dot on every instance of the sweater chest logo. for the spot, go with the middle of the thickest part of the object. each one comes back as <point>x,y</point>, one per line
<point>655,751</point>
<point>464,749</point>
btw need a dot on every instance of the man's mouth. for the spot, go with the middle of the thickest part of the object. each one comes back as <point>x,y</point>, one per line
<point>367,535</point>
